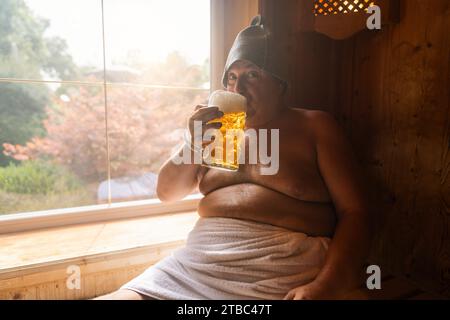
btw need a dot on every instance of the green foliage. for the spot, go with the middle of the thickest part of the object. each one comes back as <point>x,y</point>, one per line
<point>16,202</point>
<point>37,177</point>
<point>26,53</point>
<point>21,114</point>
<point>24,50</point>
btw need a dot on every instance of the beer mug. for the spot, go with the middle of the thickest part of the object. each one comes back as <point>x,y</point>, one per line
<point>224,151</point>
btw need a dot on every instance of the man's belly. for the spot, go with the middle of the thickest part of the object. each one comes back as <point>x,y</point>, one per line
<point>250,201</point>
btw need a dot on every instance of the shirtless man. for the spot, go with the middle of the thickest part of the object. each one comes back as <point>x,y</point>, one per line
<point>318,189</point>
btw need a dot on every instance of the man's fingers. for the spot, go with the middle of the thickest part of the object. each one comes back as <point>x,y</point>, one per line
<point>206,117</point>
<point>214,125</point>
<point>212,116</point>
<point>204,110</point>
<point>200,106</point>
<point>204,114</point>
<point>206,143</point>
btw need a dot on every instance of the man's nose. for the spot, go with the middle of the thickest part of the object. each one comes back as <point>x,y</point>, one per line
<point>239,86</point>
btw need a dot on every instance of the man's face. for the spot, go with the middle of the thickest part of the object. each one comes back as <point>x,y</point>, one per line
<point>260,88</point>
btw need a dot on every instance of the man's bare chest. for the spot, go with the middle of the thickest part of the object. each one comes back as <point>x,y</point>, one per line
<point>297,176</point>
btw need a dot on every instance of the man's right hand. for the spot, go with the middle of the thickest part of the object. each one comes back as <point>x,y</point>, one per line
<point>204,114</point>
<point>177,181</point>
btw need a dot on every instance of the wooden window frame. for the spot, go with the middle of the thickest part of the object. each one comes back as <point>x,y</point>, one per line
<point>34,220</point>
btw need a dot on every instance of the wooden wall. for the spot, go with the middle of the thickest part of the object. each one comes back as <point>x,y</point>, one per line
<point>389,90</point>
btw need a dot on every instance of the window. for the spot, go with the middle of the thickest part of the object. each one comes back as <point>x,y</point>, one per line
<point>91,96</point>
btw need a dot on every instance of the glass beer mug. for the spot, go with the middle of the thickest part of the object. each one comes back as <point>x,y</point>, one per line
<point>224,151</point>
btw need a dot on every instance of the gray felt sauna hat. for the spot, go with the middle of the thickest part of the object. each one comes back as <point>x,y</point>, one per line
<point>255,44</point>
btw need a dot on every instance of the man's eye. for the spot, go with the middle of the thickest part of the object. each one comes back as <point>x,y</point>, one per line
<point>231,77</point>
<point>252,74</point>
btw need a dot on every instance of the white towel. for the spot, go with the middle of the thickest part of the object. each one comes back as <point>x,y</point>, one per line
<point>227,259</point>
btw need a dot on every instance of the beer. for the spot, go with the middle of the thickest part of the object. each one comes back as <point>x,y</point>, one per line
<point>224,152</point>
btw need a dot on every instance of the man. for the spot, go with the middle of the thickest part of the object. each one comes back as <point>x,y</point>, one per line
<point>317,193</point>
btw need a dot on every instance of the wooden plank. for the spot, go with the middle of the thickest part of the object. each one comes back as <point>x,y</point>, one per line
<point>362,292</point>
<point>99,263</point>
<point>396,111</point>
<point>37,220</point>
<point>108,255</point>
<point>418,105</point>
<point>64,243</point>
<point>308,60</point>
<point>27,293</point>
<point>391,289</point>
<point>92,285</point>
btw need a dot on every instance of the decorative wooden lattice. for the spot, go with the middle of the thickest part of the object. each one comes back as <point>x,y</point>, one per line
<point>326,7</point>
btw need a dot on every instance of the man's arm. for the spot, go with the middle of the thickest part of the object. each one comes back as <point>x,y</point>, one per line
<point>175,181</point>
<point>351,242</point>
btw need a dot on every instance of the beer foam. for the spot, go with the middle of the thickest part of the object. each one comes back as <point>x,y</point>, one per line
<point>228,102</point>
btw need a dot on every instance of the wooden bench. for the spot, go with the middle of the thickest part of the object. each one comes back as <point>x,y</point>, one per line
<point>393,288</point>
<point>34,263</point>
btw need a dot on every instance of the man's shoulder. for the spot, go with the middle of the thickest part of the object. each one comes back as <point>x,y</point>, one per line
<point>313,117</point>
<point>318,123</point>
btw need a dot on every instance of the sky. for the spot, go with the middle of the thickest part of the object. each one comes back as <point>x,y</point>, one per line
<point>135,29</point>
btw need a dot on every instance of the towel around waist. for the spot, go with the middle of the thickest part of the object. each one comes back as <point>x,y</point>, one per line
<point>227,258</point>
<point>227,242</point>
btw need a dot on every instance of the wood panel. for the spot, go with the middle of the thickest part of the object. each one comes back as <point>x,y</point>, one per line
<point>108,254</point>
<point>309,57</point>
<point>92,285</point>
<point>389,90</point>
<point>397,117</point>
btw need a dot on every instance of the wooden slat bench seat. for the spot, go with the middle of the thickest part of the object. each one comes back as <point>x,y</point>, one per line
<point>393,288</point>
<point>34,264</point>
